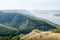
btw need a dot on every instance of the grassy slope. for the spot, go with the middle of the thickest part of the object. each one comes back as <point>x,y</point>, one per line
<point>10,28</point>
<point>41,36</point>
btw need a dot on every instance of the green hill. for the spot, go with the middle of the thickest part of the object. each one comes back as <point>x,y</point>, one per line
<point>16,23</point>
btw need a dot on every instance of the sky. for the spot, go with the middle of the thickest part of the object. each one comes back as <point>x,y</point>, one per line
<point>33,5</point>
<point>30,4</point>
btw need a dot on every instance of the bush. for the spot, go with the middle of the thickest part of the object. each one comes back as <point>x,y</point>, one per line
<point>55,30</point>
<point>37,31</point>
<point>16,38</point>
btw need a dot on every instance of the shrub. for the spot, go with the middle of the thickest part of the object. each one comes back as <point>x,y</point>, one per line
<point>37,31</point>
<point>55,30</point>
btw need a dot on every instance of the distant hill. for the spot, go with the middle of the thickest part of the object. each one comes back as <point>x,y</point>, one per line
<point>15,23</point>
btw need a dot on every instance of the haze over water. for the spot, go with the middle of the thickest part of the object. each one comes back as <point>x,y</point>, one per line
<point>48,15</point>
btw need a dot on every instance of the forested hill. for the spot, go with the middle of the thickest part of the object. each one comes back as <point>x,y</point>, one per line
<point>13,23</point>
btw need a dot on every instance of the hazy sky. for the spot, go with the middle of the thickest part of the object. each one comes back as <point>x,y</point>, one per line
<point>30,4</point>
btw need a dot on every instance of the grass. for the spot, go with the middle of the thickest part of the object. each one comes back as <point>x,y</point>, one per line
<point>47,35</point>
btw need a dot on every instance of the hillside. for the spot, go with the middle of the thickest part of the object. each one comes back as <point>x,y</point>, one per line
<point>16,23</point>
<point>47,35</point>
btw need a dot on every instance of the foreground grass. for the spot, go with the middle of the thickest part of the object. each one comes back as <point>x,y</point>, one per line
<point>53,34</point>
<point>47,35</point>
